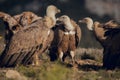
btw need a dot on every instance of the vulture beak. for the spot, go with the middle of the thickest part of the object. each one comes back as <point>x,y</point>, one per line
<point>58,21</point>
<point>58,11</point>
<point>81,21</point>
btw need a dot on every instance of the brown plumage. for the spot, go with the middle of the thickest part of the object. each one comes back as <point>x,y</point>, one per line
<point>16,23</point>
<point>108,34</point>
<point>111,24</point>
<point>30,41</point>
<point>67,37</point>
<point>10,25</point>
<point>96,27</point>
<point>26,18</point>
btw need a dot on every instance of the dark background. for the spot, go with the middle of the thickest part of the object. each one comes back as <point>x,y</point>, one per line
<point>76,9</point>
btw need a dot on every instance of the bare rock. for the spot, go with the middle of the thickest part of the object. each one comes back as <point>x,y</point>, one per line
<point>15,75</point>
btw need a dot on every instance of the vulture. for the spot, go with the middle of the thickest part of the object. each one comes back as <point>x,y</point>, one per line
<point>108,34</point>
<point>93,26</point>
<point>67,37</point>
<point>30,41</point>
<point>16,23</point>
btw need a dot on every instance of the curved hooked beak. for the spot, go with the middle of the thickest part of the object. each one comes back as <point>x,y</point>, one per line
<point>58,11</point>
<point>58,21</point>
<point>81,21</point>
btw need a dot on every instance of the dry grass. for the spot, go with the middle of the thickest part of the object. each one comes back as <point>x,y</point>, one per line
<point>89,53</point>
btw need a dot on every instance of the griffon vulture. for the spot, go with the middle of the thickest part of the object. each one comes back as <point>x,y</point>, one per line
<point>67,37</point>
<point>108,34</point>
<point>16,23</point>
<point>30,41</point>
<point>95,27</point>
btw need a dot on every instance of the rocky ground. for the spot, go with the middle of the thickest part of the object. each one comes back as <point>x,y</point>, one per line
<point>82,70</point>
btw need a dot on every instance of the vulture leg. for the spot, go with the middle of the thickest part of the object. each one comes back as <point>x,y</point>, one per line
<point>61,56</point>
<point>35,60</point>
<point>72,54</point>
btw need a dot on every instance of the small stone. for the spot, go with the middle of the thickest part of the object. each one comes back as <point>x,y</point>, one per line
<point>15,75</point>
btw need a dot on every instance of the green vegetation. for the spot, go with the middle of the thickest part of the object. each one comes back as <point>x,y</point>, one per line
<point>88,67</point>
<point>47,71</point>
<point>58,71</point>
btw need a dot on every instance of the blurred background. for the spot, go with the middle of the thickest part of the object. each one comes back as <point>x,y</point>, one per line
<point>99,10</point>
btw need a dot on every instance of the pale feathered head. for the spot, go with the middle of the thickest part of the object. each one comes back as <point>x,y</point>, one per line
<point>66,21</point>
<point>51,9</point>
<point>28,17</point>
<point>63,19</point>
<point>88,21</point>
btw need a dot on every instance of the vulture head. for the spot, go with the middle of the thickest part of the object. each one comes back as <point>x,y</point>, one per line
<point>52,10</point>
<point>27,18</point>
<point>67,22</point>
<point>50,19</point>
<point>88,21</point>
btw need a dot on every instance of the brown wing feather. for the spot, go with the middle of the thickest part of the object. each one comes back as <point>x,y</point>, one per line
<point>24,44</point>
<point>78,32</point>
<point>9,19</point>
<point>58,34</point>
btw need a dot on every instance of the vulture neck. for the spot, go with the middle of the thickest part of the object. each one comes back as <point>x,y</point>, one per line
<point>68,25</point>
<point>90,24</point>
<point>51,14</point>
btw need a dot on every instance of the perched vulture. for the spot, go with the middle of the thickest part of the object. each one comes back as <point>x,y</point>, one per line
<point>30,41</point>
<point>16,23</point>
<point>67,37</point>
<point>99,31</point>
<point>108,34</point>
